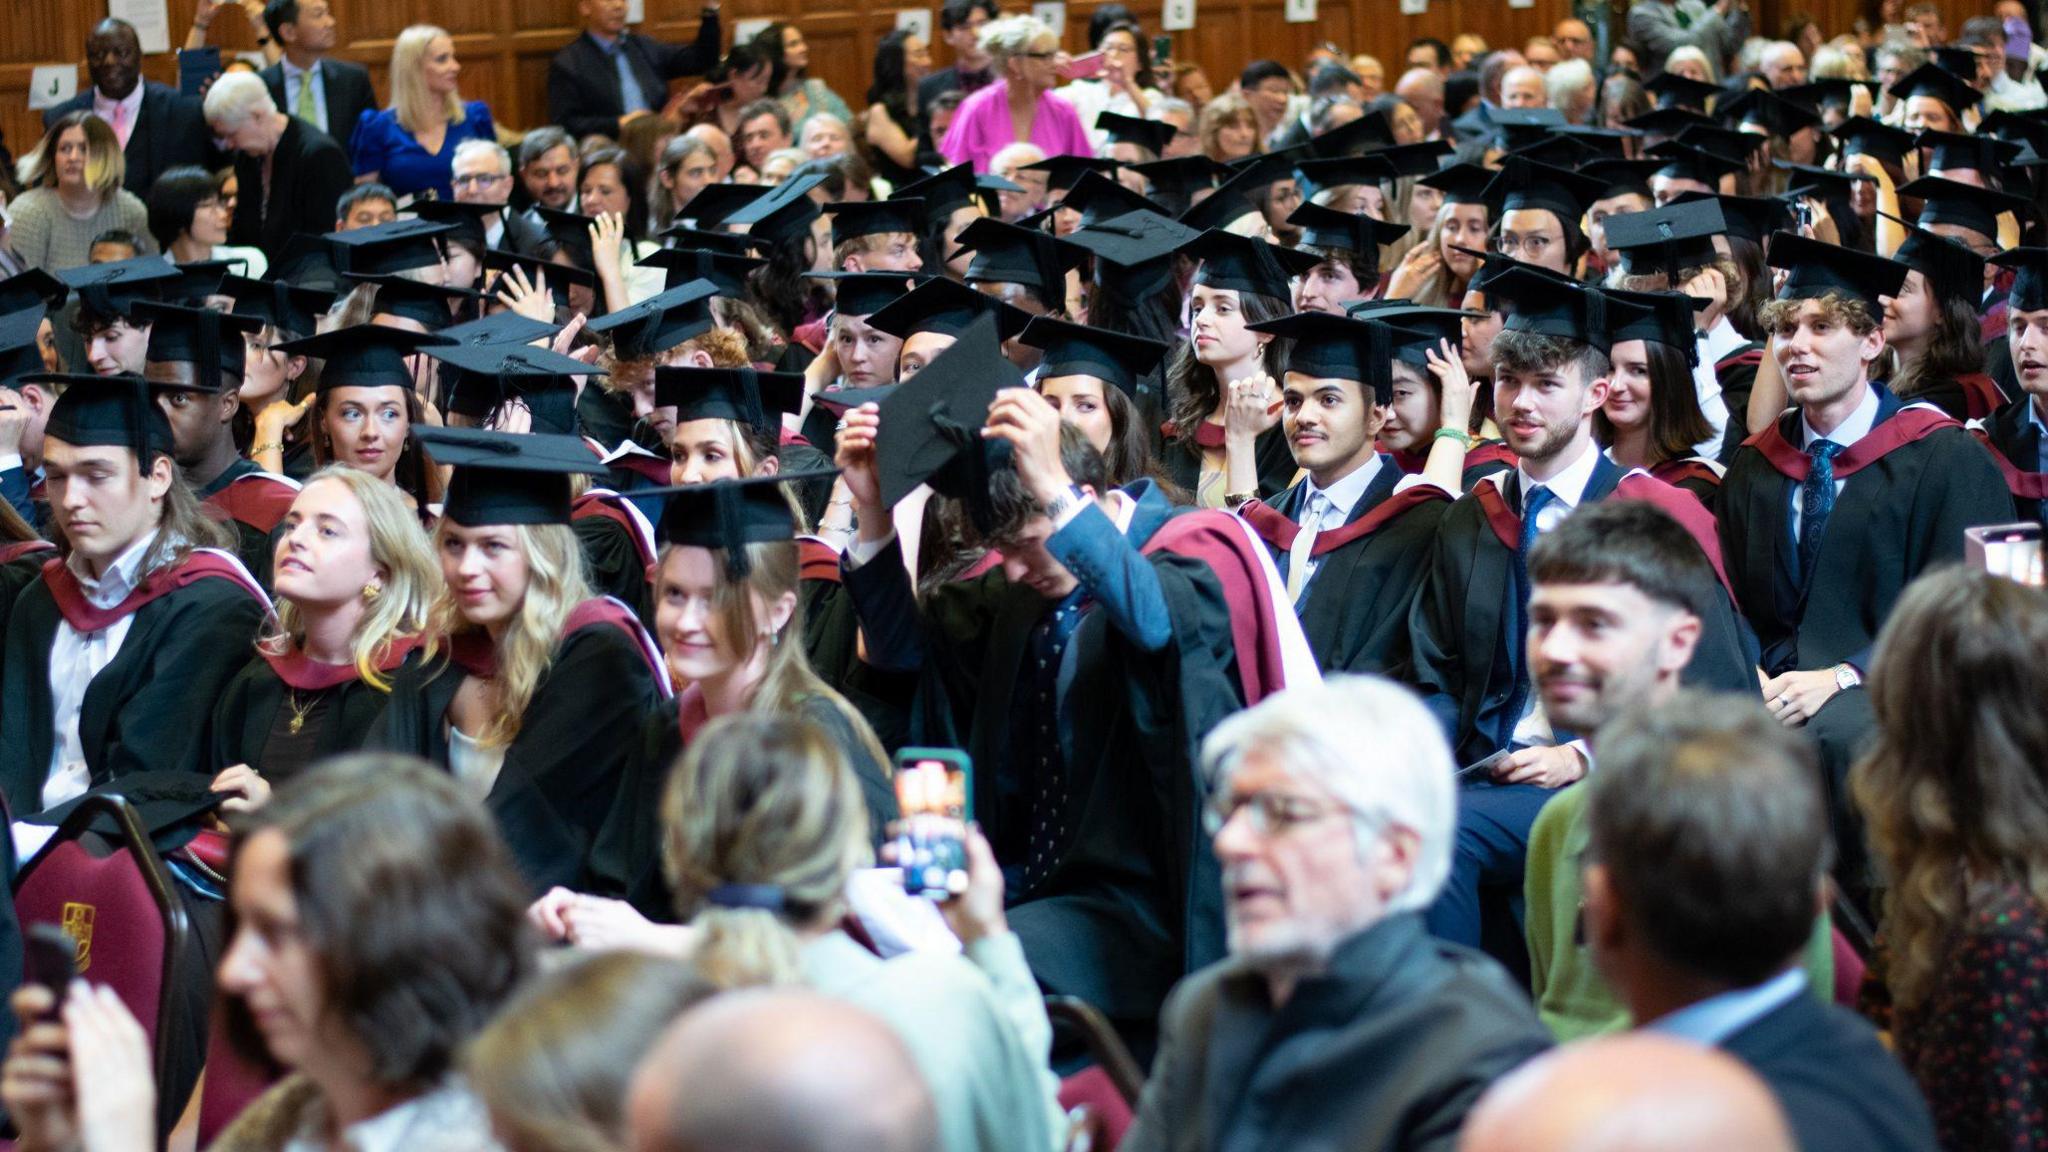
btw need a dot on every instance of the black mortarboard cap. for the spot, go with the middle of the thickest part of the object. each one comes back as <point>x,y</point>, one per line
<point>424,304</point>
<point>852,220</point>
<point>1557,149</point>
<point>1097,198</point>
<point>1941,84</point>
<point>1682,162</point>
<point>1964,205</point>
<point>658,323</point>
<point>1865,136</point>
<point>20,355</point>
<point>1825,91</point>
<point>308,261</point>
<point>1368,131</point>
<point>489,375</point>
<point>864,293</point>
<point>1816,269</point>
<point>2016,127</point>
<point>465,221</point>
<point>1465,184</point>
<point>1521,127</point>
<point>1674,91</point>
<point>1415,328</point>
<point>34,288</point>
<point>1134,252</point>
<point>1659,317</point>
<point>198,282</point>
<point>1325,227</point>
<point>727,271</point>
<point>387,249</point>
<point>1151,135</point>
<point>365,356</point>
<point>743,395</point>
<point>1243,264</point>
<point>114,289</point>
<point>1749,218</point>
<point>1061,172</point>
<point>106,412</point>
<point>1957,59</point>
<point>1619,177</point>
<point>730,243</point>
<point>1492,265</point>
<point>1778,115</point>
<point>728,515</point>
<point>506,477</point>
<point>947,191</point>
<point>571,233</point>
<point>1728,143</point>
<point>278,304</point>
<point>560,277</point>
<point>1678,235</point>
<point>1528,184</point>
<point>1008,254</point>
<point>505,327</point>
<point>1546,304</point>
<point>2030,277</point>
<point>1953,272</point>
<point>931,425</point>
<point>1372,167</point>
<point>214,342</point>
<point>1669,123</point>
<point>1078,350</point>
<point>1954,150</point>
<point>843,400</point>
<point>1338,347</point>
<point>1182,175</point>
<point>948,307</point>
<point>785,213</point>
<point>714,204</point>
<point>1820,183</point>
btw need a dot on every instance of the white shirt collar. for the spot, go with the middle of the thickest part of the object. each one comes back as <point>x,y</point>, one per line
<point>121,578</point>
<point>1717,342</point>
<point>132,102</point>
<point>2034,415</point>
<point>1855,428</point>
<point>1569,485</point>
<point>1345,494</point>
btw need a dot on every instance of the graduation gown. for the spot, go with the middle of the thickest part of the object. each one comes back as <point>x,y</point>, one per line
<point>2015,444</point>
<point>255,701</point>
<point>1465,664</point>
<point>21,564</point>
<point>1737,373</point>
<point>148,709</point>
<point>1974,396</point>
<point>563,771</point>
<point>1133,901</point>
<point>253,501</point>
<point>1486,458</point>
<point>1355,607</point>
<point>1695,474</point>
<point>618,549</point>
<point>1183,461</point>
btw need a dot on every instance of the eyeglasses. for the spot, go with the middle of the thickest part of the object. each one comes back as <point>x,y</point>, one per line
<point>1039,55</point>
<point>1531,247</point>
<point>1272,813</point>
<point>474,179</point>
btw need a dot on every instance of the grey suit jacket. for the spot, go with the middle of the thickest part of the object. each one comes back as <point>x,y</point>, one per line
<point>1655,29</point>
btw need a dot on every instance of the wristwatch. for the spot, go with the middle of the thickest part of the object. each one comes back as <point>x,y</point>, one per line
<point>1847,677</point>
<point>1061,504</point>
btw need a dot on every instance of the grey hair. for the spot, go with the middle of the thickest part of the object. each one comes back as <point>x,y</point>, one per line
<point>1398,775</point>
<point>1565,79</point>
<point>543,140</point>
<point>1168,105</point>
<point>473,147</point>
<point>1012,36</point>
<point>235,99</point>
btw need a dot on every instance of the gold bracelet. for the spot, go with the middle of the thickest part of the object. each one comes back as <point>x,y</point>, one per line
<point>1238,499</point>
<point>262,448</point>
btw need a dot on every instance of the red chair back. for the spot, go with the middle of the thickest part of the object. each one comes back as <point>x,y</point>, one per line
<point>232,1083</point>
<point>1092,1087</point>
<point>1849,969</point>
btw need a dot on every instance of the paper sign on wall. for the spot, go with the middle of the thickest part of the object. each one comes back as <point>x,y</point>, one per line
<point>918,20</point>
<point>746,30</point>
<point>1301,11</point>
<point>1521,3</point>
<point>1177,15</point>
<point>1053,14</point>
<point>1414,7</point>
<point>52,84</point>
<point>636,11</point>
<point>152,20</point>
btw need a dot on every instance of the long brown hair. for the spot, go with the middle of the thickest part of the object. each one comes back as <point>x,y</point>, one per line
<point>1954,349</point>
<point>1676,422</point>
<point>1953,791</point>
<point>1192,390</point>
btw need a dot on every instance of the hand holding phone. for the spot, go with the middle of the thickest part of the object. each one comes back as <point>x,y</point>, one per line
<point>934,793</point>
<point>1486,768</point>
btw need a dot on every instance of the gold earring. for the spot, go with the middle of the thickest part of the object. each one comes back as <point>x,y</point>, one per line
<point>372,591</point>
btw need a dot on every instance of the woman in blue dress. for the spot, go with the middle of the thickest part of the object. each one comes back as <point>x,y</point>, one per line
<point>410,146</point>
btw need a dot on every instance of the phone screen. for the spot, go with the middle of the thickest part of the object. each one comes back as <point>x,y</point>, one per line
<point>931,844</point>
<point>50,958</point>
<point>1162,47</point>
<point>2009,550</point>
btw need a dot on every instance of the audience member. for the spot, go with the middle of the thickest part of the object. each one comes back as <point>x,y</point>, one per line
<point>547,169</point>
<point>294,172</point>
<point>155,127</point>
<point>74,192</point>
<point>611,75</point>
<point>410,145</point>
<point>190,221</point>
<point>960,25</point>
<point>1658,27</point>
<point>1023,53</point>
<point>482,174</point>
<point>328,93</point>
<point>801,94</point>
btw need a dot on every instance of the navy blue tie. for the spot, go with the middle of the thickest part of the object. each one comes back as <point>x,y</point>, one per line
<point>1816,503</point>
<point>1539,497</point>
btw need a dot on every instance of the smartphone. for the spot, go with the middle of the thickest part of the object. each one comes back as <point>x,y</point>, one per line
<point>1086,66</point>
<point>195,67</point>
<point>1484,769</point>
<point>2009,550</point>
<point>50,958</point>
<point>1803,209</point>
<point>1162,47</point>
<point>934,795</point>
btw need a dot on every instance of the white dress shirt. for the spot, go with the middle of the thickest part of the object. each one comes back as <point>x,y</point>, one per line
<point>1326,508</point>
<point>76,658</point>
<point>1567,487</point>
<point>1855,428</point>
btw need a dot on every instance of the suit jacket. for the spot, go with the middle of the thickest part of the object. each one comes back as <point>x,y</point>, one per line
<point>1839,1087</point>
<point>1385,1052</point>
<point>583,84</point>
<point>348,91</point>
<point>170,130</point>
<point>309,173</point>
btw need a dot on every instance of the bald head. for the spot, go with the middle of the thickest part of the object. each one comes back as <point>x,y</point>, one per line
<point>779,1070</point>
<point>1637,1092</point>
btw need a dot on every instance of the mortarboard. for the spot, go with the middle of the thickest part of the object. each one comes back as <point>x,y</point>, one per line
<point>114,289</point>
<point>560,277</point>
<point>365,356</point>
<point>487,376</point>
<point>1816,269</point>
<point>1243,264</point>
<point>1861,135</point>
<point>1932,80</point>
<point>278,304</point>
<point>1325,227</point>
<point>1370,167</point>
<point>1151,135</point>
<point>931,425</point>
<point>501,328</point>
<point>1182,175</point>
<point>658,323</point>
<point>1556,149</point>
<point>307,261</point>
<point>388,249</point>
<point>1062,172</point>
<point>728,515</point>
<point>507,478</point>
<point>571,233</point>
<point>1779,116</point>
<point>1520,127</point>
<point>843,400</point>
<point>1820,183</point>
<point>1678,235</point>
<point>728,272</point>
<point>1953,272</point>
<point>1134,252</point>
<point>20,354</point>
<point>1526,184</point>
<point>1465,184</point>
<point>2016,127</point>
<point>424,304</point>
<point>864,293</point>
<point>1727,143</point>
<point>106,412</point>
<point>730,243</point>
<point>1233,198</point>
<point>1675,91</point>
<point>1330,347</point>
<point>948,191</point>
<point>1838,90</point>
<point>1749,217</point>
<point>1964,205</point>
<point>1077,350</point>
<point>1622,177</point>
<point>852,220</point>
<point>1369,131</point>
<point>1005,253</point>
<point>1097,198</point>
<point>1683,162</point>
<point>714,204</point>
<point>198,282</point>
<point>1669,123</point>
<point>2030,277</point>
<point>1415,328</point>
<point>947,307</point>
<point>1957,60</point>
<point>34,288</point>
<point>214,343</point>
<point>1546,304</point>
<point>785,213</point>
<point>1954,150</point>
<point>465,221</point>
<point>742,395</point>
<point>1659,317</point>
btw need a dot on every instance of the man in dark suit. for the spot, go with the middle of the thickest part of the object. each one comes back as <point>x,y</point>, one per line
<point>158,128</point>
<point>291,173</point>
<point>483,175</point>
<point>338,92</point>
<point>1705,866</point>
<point>609,75</point>
<point>1329,848</point>
<point>960,23</point>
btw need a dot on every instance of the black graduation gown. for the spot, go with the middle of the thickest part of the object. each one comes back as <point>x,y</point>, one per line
<point>21,564</point>
<point>616,557</point>
<point>1737,374</point>
<point>252,703</point>
<point>563,771</point>
<point>253,502</point>
<point>147,710</point>
<point>1355,608</point>
<point>1464,663</point>
<point>1486,458</point>
<point>1692,475</point>
<point>1182,462</point>
<point>2016,443</point>
<point>1134,900</point>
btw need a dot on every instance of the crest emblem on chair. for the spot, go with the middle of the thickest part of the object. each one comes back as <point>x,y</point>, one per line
<point>78,923</point>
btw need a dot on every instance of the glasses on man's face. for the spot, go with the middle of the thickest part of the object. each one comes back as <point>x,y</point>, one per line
<point>1270,813</point>
<point>479,179</point>
<point>1532,247</point>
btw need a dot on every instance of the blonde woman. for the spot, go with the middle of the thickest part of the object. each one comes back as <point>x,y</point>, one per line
<point>527,681</point>
<point>410,146</point>
<point>354,578</point>
<point>73,181</point>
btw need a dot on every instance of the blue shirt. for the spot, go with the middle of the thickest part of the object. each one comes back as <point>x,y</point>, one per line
<point>1713,1020</point>
<point>386,148</point>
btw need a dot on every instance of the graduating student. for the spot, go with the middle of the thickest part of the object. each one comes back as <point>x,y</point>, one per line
<point>365,404</point>
<point>931,316</point>
<point>355,577</point>
<point>195,361</point>
<point>1437,411</point>
<point>1352,536</point>
<point>1932,328</point>
<point>1348,246</point>
<point>1827,514</point>
<point>142,619</point>
<point>1090,376</point>
<point>280,437</point>
<point>24,411</point>
<point>1540,209</point>
<point>1468,620</point>
<point>530,681</point>
<point>1690,246</point>
<point>109,337</point>
<point>1022,267</point>
<point>2015,430</point>
<point>1651,418</point>
<point>669,328</point>
<point>1105,597</point>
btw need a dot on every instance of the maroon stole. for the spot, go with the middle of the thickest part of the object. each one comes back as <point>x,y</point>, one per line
<point>787,436</point>
<point>306,674</point>
<point>1484,452</point>
<point>1689,468</point>
<point>9,553</point>
<point>258,500</point>
<point>690,712</point>
<point>1981,396</point>
<point>817,560</point>
<point>1750,359</point>
<point>650,468</point>
<point>604,505</point>
<point>2023,484</point>
<point>1679,504</point>
<point>1208,435</point>
<point>1274,527</point>
<point>1906,426</point>
<point>1213,538</point>
<point>199,564</point>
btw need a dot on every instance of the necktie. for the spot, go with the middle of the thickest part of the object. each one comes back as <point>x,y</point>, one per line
<point>631,98</point>
<point>1817,503</point>
<point>1518,700</point>
<point>305,109</point>
<point>1299,555</point>
<point>121,123</point>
